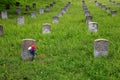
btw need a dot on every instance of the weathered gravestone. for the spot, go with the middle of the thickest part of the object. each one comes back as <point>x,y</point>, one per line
<point>34,5</point>
<point>100,47</point>
<point>93,26</point>
<point>55,19</point>
<point>47,8</point>
<point>7,6</point>
<point>60,14</point>
<point>26,55</point>
<point>88,19</point>
<point>1,30</point>
<point>41,11</point>
<point>108,9</point>
<point>27,7</point>
<point>46,28</point>
<point>113,12</point>
<point>118,4</point>
<point>18,11</point>
<point>33,14</point>
<point>20,20</point>
<point>4,15</point>
<point>51,5</point>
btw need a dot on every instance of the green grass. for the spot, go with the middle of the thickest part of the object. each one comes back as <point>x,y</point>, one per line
<point>66,53</point>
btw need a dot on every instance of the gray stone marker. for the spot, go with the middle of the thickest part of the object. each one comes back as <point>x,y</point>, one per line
<point>46,28</point>
<point>20,20</point>
<point>33,14</point>
<point>47,8</point>
<point>113,12</point>
<point>1,30</point>
<point>55,19</point>
<point>7,6</point>
<point>60,14</point>
<point>26,43</point>
<point>27,7</point>
<point>18,11</point>
<point>100,47</point>
<point>88,19</point>
<point>93,26</point>
<point>108,9</point>
<point>41,11</point>
<point>4,15</point>
<point>34,5</point>
<point>118,4</point>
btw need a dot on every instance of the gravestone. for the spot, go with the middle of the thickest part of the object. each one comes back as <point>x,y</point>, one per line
<point>113,12</point>
<point>26,43</point>
<point>33,14</point>
<point>18,11</point>
<point>88,19</point>
<point>34,5</point>
<point>27,7</point>
<point>41,11</point>
<point>4,15</point>
<point>93,26</point>
<point>46,28</point>
<point>60,14</point>
<point>118,4</point>
<point>63,10</point>
<point>55,19</point>
<point>100,47</point>
<point>20,20</point>
<point>1,30</point>
<point>51,5</point>
<point>47,8</point>
<point>108,9</point>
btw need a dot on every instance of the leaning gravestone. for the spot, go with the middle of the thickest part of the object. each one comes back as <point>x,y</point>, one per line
<point>1,30</point>
<point>113,12</point>
<point>55,19</point>
<point>4,15</point>
<point>46,28</point>
<point>20,20</point>
<point>93,26</point>
<point>33,14</point>
<point>100,47</point>
<point>26,43</point>
<point>41,11</point>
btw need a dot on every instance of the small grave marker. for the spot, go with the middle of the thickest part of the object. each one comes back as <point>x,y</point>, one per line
<point>113,12</point>
<point>100,47</point>
<point>4,15</point>
<point>47,8</point>
<point>55,19</point>
<point>1,30</point>
<point>93,26</point>
<point>21,20</point>
<point>88,19</point>
<point>26,54</point>
<point>18,11</point>
<point>34,5</point>
<point>41,11</point>
<point>46,28</point>
<point>33,14</point>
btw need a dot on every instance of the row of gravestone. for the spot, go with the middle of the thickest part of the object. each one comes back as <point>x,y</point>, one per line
<point>114,3</point>
<point>4,14</point>
<point>28,53</point>
<point>55,19</point>
<point>107,9</point>
<point>92,26</point>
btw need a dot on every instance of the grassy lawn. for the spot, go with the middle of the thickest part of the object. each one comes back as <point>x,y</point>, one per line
<point>66,53</point>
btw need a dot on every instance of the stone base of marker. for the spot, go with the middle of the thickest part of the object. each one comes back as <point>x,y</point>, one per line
<point>93,26</point>
<point>100,47</point>
<point>4,15</point>
<point>20,20</point>
<point>46,28</point>
<point>55,19</point>
<point>26,43</point>
<point>1,30</point>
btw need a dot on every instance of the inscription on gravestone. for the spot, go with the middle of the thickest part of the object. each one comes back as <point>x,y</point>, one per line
<point>4,14</point>
<point>100,47</point>
<point>26,43</point>
<point>46,28</point>
<point>93,26</point>
<point>1,30</point>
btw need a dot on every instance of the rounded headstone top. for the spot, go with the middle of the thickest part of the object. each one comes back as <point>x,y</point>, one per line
<point>92,22</point>
<point>101,40</point>
<point>46,24</point>
<point>28,39</point>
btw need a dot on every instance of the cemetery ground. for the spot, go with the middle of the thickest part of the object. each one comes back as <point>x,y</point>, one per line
<point>67,53</point>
